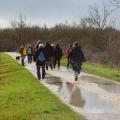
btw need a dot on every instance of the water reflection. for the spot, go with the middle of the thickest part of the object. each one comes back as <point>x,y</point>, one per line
<point>68,90</point>
<point>76,98</point>
<point>104,84</point>
<point>80,97</point>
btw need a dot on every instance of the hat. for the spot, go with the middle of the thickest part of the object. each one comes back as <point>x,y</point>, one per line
<point>75,44</point>
<point>41,45</point>
<point>52,45</point>
<point>39,41</point>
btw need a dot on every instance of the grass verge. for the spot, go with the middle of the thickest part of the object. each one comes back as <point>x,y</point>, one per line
<point>100,70</point>
<point>23,97</point>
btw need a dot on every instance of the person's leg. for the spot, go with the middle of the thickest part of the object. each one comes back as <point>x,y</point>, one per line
<point>78,68</point>
<point>43,71</point>
<point>22,60</point>
<point>55,63</point>
<point>76,75</point>
<point>51,66</point>
<point>67,63</point>
<point>28,59</point>
<point>58,63</point>
<point>50,63</point>
<point>38,72</point>
<point>76,71</point>
<point>46,66</point>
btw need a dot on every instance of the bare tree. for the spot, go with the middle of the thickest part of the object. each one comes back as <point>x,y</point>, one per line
<point>18,27</point>
<point>115,3</point>
<point>86,22</point>
<point>98,17</point>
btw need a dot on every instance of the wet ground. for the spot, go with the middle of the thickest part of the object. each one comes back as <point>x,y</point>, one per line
<point>94,97</point>
<point>93,105</point>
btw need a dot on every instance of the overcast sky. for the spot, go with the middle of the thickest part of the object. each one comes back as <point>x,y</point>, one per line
<point>49,12</point>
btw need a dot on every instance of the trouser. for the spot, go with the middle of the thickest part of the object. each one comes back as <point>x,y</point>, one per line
<point>29,58</point>
<point>51,66</point>
<point>76,69</point>
<point>68,62</point>
<point>57,61</point>
<point>22,60</point>
<point>39,75</point>
<point>76,74</point>
<point>50,63</point>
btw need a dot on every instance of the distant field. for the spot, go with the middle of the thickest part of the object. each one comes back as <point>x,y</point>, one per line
<point>100,70</point>
<point>23,97</point>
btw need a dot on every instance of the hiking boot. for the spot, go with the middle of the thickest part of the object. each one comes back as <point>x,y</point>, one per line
<point>76,78</point>
<point>46,67</point>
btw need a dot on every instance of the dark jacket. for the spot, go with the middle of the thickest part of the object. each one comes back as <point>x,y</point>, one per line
<point>49,50</point>
<point>58,53</point>
<point>37,55</point>
<point>76,56</point>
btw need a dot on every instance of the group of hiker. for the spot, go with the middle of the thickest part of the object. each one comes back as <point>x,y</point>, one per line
<point>49,55</point>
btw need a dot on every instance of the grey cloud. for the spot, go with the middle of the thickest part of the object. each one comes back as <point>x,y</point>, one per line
<point>48,11</point>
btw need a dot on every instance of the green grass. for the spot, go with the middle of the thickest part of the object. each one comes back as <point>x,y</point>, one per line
<point>23,97</point>
<point>100,70</point>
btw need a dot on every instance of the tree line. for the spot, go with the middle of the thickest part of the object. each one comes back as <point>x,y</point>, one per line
<point>99,39</point>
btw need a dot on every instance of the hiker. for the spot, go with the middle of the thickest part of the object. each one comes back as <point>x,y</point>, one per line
<point>68,51</point>
<point>22,52</point>
<point>37,44</point>
<point>76,59</point>
<point>29,54</point>
<point>40,58</point>
<point>58,55</point>
<point>50,53</point>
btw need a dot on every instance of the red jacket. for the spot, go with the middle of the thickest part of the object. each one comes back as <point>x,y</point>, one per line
<point>21,51</point>
<point>68,51</point>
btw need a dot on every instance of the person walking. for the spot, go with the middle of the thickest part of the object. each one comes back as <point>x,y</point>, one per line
<point>50,53</point>
<point>22,52</point>
<point>58,55</point>
<point>29,54</point>
<point>76,59</point>
<point>40,58</point>
<point>68,51</point>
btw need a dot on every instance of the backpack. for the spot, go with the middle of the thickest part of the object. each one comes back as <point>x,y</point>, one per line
<point>29,51</point>
<point>24,52</point>
<point>41,56</point>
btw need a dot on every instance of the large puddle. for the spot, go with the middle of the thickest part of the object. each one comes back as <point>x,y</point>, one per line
<point>89,102</point>
<point>104,84</point>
